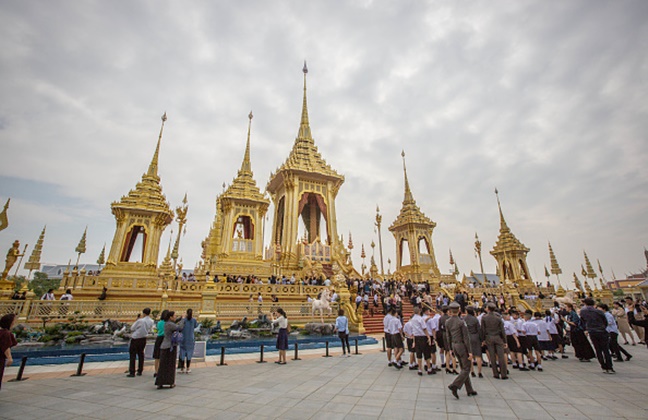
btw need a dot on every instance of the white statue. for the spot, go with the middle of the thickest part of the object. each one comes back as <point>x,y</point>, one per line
<point>321,304</point>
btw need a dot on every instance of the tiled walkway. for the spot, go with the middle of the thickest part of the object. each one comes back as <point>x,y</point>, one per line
<point>328,388</point>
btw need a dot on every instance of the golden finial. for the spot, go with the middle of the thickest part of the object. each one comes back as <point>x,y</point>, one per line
<point>102,257</point>
<point>153,167</point>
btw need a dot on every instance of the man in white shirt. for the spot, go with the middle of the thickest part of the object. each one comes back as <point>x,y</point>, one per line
<point>139,331</point>
<point>334,297</point>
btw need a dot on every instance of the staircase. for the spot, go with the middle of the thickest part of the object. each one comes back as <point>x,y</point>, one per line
<point>374,324</point>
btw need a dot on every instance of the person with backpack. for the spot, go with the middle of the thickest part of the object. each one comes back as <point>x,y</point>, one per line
<point>169,351</point>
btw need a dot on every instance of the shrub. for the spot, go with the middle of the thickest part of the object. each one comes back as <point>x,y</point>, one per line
<point>207,323</point>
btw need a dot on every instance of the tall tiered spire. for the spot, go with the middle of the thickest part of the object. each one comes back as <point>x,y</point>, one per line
<point>503,225</point>
<point>153,167</point>
<point>506,240</point>
<point>555,268</point>
<point>246,166</point>
<point>304,155</point>
<point>244,186</point>
<point>304,126</point>
<point>409,198</point>
<point>34,259</point>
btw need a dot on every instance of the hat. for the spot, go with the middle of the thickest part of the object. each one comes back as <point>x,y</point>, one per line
<point>454,305</point>
<point>445,307</point>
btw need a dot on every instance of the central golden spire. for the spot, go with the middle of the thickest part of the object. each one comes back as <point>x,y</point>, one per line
<point>153,167</point>
<point>304,126</point>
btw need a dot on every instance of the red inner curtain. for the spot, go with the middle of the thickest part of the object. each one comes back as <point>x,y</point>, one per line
<point>318,199</point>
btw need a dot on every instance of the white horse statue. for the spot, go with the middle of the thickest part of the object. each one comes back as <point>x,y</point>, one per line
<point>321,304</point>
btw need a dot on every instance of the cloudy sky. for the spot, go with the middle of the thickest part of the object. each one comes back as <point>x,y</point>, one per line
<point>544,100</point>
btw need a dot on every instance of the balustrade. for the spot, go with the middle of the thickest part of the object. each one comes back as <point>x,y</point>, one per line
<point>11,307</point>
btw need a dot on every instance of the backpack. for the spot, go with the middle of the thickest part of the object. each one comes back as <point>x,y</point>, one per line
<point>176,338</point>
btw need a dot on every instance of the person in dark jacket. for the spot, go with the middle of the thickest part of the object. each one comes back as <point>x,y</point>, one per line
<point>596,324</point>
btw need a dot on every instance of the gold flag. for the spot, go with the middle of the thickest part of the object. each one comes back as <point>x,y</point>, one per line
<point>4,222</point>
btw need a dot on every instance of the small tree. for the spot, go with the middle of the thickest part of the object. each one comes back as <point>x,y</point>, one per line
<point>41,284</point>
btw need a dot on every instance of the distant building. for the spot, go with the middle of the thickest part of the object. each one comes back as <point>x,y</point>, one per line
<point>634,284</point>
<point>492,280</point>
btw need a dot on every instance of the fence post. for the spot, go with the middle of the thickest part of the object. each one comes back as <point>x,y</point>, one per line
<point>261,356</point>
<point>19,376</point>
<point>327,350</point>
<point>222,358</point>
<point>296,351</point>
<point>384,349</point>
<point>79,371</point>
<point>356,347</point>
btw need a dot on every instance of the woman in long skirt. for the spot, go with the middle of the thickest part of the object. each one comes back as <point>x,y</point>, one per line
<point>582,347</point>
<point>168,353</point>
<point>159,338</point>
<point>282,338</point>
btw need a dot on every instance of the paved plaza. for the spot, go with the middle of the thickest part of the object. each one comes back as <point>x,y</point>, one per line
<point>359,387</point>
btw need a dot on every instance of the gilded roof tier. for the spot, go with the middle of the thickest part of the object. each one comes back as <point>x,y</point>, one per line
<point>147,194</point>
<point>305,156</point>
<point>244,186</point>
<point>410,212</point>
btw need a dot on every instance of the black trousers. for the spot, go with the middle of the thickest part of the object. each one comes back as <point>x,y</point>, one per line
<point>136,349</point>
<point>601,341</point>
<point>615,347</point>
<point>344,337</point>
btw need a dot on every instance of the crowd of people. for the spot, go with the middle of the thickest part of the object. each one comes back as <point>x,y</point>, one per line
<point>464,337</point>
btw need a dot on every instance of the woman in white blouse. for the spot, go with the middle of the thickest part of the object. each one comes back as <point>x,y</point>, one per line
<point>282,338</point>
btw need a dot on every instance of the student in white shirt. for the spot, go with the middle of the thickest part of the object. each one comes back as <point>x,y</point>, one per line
<point>407,330</point>
<point>531,330</point>
<point>396,331</point>
<point>422,341</point>
<point>388,340</point>
<point>544,338</point>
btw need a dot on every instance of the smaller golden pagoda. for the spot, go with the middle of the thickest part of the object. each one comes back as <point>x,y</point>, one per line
<point>413,229</point>
<point>34,259</point>
<point>141,216</point>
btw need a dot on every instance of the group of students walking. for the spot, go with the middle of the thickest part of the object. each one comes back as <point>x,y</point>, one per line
<point>510,340</point>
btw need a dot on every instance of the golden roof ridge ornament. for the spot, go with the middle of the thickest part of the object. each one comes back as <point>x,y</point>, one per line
<point>153,167</point>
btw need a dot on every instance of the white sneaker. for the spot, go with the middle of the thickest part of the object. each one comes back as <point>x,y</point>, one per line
<point>182,370</point>
<point>188,370</point>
